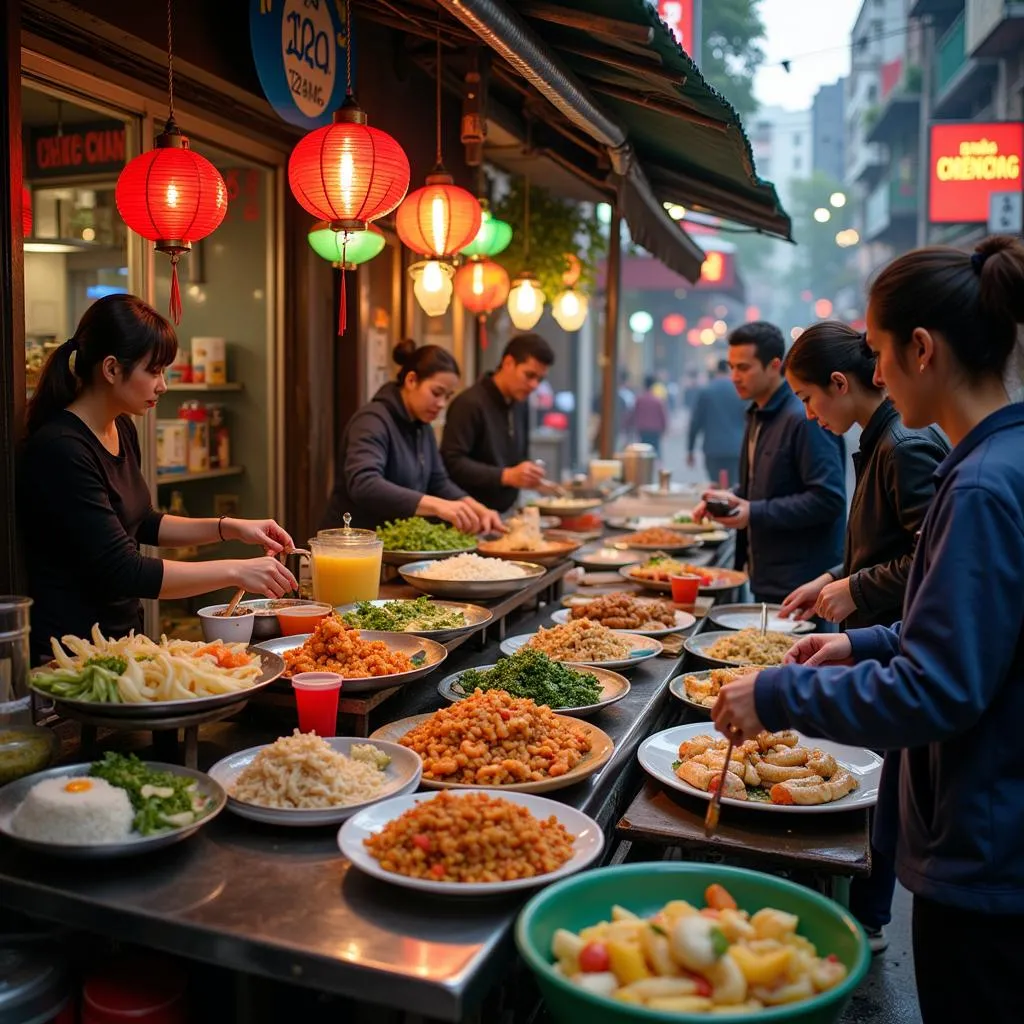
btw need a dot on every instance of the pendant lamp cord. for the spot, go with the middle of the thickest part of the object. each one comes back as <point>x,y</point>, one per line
<point>170,63</point>
<point>437,65</point>
<point>348,47</point>
<point>526,195</point>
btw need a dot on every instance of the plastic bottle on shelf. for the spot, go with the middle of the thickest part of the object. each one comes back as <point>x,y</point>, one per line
<point>220,438</point>
<point>194,412</point>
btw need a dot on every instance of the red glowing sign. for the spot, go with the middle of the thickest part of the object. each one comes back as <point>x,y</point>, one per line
<point>674,324</point>
<point>967,163</point>
<point>679,16</point>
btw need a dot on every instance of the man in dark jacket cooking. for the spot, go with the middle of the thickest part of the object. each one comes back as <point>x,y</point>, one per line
<point>790,505</point>
<point>486,435</point>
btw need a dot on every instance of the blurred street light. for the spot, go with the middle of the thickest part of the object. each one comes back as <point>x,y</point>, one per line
<point>822,215</point>
<point>641,322</point>
<point>838,200</point>
<point>847,238</point>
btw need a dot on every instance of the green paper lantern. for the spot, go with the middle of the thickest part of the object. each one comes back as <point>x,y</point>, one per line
<point>493,237</point>
<point>354,246</point>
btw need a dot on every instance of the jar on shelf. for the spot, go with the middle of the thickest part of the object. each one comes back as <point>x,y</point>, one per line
<point>220,438</point>
<point>209,361</point>
<point>194,413</point>
<point>171,446</point>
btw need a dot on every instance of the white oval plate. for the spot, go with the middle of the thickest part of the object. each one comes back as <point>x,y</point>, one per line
<point>684,620</point>
<point>748,616</point>
<point>643,649</point>
<point>658,753</point>
<point>607,557</point>
<point>613,688</point>
<point>402,776</point>
<point>586,849</point>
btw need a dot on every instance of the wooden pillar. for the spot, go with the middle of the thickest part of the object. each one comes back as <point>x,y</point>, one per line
<point>609,355</point>
<point>12,289</point>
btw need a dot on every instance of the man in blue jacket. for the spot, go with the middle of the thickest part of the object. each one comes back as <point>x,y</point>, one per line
<point>790,505</point>
<point>719,417</point>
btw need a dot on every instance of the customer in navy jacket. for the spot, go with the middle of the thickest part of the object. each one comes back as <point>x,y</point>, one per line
<point>790,506</point>
<point>392,468</point>
<point>946,685</point>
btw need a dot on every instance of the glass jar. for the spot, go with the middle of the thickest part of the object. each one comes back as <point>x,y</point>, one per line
<point>346,565</point>
<point>15,659</point>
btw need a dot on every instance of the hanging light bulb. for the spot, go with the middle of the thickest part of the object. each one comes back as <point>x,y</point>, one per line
<point>432,285</point>
<point>526,302</point>
<point>570,309</point>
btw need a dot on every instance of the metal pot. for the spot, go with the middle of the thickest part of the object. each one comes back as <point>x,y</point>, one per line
<point>638,464</point>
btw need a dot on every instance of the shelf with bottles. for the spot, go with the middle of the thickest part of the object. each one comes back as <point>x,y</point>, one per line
<point>231,385</point>
<point>206,474</point>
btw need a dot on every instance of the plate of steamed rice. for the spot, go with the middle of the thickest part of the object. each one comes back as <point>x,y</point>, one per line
<point>470,577</point>
<point>115,807</point>
<point>304,780</point>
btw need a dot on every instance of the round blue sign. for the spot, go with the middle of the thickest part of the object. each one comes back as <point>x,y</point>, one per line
<point>299,50</point>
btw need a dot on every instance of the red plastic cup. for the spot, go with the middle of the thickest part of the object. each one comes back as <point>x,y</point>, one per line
<point>685,588</point>
<point>316,697</point>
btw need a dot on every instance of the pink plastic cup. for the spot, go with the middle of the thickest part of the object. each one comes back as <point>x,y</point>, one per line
<point>685,588</point>
<point>316,697</point>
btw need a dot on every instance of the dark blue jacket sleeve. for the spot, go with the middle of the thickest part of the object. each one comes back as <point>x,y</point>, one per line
<point>696,421</point>
<point>822,499</point>
<point>956,644</point>
<point>366,460</point>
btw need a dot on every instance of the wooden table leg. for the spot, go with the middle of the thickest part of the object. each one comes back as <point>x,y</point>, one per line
<point>165,744</point>
<point>87,739</point>
<point>191,735</point>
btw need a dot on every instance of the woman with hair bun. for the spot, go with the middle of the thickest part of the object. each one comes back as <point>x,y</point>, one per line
<point>83,505</point>
<point>392,468</point>
<point>945,686</point>
<point>831,370</point>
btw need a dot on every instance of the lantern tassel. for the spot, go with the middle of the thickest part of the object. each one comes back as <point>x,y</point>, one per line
<point>482,335</point>
<point>175,307</point>
<point>342,298</point>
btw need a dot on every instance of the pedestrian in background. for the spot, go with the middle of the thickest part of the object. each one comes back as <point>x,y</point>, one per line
<point>718,419</point>
<point>650,417</point>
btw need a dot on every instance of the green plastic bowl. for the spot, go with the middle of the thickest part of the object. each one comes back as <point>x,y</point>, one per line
<point>587,899</point>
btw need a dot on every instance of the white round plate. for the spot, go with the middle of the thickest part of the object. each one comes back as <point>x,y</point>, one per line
<point>748,616</point>
<point>684,620</point>
<point>613,688</point>
<point>698,644</point>
<point>402,776</point>
<point>586,849</point>
<point>605,556</point>
<point>658,753</point>
<point>677,687</point>
<point>643,648</point>
<point>13,793</point>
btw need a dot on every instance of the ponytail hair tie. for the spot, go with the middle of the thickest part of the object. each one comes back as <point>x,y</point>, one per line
<point>978,261</point>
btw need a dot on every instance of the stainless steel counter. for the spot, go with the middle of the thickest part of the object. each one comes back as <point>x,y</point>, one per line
<point>285,904</point>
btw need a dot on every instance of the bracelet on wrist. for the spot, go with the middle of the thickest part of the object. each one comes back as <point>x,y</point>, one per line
<point>220,527</point>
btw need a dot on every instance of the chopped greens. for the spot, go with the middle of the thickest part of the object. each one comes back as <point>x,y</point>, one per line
<point>404,616</point>
<point>531,673</point>
<point>759,794</point>
<point>162,800</point>
<point>95,681</point>
<point>112,662</point>
<point>417,534</point>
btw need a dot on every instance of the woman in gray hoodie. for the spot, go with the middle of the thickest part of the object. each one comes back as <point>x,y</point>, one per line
<point>392,467</point>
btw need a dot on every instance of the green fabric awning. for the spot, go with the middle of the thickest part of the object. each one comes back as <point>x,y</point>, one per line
<point>688,139</point>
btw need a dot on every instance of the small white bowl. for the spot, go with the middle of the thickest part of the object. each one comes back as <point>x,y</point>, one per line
<point>234,630</point>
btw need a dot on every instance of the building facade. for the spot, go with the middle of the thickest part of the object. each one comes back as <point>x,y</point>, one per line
<point>828,135</point>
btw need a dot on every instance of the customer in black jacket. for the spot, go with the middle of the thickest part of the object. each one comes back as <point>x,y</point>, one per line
<point>486,443</point>
<point>392,468</point>
<point>832,371</point>
<point>790,505</point>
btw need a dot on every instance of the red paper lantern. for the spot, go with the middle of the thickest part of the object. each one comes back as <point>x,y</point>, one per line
<point>348,173</point>
<point>26,212</point>
<point>439,219</point>
<point>172,196</point>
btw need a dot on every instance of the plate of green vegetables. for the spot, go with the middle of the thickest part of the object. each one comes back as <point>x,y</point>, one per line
<point>417,539</point>
<point>422,616</point>
<point>532,674</point>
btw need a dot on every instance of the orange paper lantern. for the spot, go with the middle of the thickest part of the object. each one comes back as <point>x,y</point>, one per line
<point>173,197</point>
<point>439,219</point>
<point>482,286</point>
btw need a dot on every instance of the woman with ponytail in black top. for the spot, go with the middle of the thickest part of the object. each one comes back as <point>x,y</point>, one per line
<point>83,504</point>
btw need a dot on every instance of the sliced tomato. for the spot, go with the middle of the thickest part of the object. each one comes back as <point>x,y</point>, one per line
<point>594,958</point>
<point>422,841</point>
